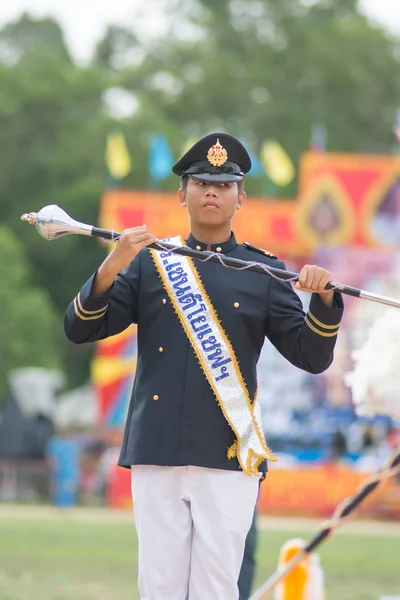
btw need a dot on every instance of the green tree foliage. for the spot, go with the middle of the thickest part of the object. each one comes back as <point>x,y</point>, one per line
<point>115,48</point>
<point>271,69</point>
<point>28,35</point>
<point>52,137</point>
<point>29,330</point>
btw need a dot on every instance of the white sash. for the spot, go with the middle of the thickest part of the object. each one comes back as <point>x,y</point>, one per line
<point>215,355</point>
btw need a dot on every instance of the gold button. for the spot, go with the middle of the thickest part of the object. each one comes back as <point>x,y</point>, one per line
<point>155,397</point>
<point>218,249</point>
<point>161,349</point>
<point>236,305</point>
<point>198,247</point>
<point>164,301</point>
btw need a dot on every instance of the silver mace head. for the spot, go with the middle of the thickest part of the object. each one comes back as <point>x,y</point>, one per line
<point>53,222</point>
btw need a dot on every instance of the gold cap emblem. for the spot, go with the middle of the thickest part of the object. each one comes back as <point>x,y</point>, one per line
<point>217,155</point>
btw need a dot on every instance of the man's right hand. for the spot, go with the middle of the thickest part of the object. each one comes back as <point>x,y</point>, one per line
<point>131,242</point>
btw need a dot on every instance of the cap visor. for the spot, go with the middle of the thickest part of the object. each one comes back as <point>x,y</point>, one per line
<point>216,178</point>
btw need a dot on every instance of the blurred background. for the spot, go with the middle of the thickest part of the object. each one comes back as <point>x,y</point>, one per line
<point>96,103</point>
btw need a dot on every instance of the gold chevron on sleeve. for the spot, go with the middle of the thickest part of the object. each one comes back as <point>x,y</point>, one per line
<point>320,328</point>
<point>91,314</point>
<point>321,324</point>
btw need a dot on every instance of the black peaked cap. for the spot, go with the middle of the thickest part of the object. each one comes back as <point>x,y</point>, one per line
<point>216,157</point>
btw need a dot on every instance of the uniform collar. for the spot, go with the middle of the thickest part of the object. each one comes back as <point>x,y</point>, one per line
<point>223,248</point>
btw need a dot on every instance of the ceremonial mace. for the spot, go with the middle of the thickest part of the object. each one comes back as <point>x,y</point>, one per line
<point>53,222</point>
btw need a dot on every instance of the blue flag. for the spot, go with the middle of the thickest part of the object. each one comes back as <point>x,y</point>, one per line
<point>256,168</point>
<point>318,137</point>
<point>160,158</point>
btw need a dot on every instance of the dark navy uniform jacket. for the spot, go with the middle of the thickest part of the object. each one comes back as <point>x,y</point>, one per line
<point>174,418</point>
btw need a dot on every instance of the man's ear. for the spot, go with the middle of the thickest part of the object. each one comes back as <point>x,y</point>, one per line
<point>241,200</point>
<point>181,197</point>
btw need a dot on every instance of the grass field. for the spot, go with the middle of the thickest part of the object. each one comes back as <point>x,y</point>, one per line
<point>93,556</point>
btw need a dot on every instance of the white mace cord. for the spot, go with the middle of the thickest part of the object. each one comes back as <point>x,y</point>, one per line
<point>343,510</point>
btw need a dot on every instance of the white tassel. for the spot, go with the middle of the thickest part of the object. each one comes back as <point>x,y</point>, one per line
<point>375,379</point>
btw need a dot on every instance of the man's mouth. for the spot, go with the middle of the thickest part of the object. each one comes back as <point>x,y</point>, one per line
<point>210,204</point>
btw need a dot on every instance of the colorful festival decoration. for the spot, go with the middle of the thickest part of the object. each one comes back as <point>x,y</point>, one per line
<point>117,156</point>
<point>277,163</point>
<point>349,199</point>
<point>346,203</point>
<point>160,157</point>
<point>113,369</point>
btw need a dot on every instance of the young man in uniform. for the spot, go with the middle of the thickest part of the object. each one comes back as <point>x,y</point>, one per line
<point>193,437</point>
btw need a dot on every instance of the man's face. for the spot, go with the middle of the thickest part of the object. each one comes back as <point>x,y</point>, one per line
<point>211,204</point>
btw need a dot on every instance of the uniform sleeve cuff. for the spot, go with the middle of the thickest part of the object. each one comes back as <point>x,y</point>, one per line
<point>88,307</point>
<point>323,320</point>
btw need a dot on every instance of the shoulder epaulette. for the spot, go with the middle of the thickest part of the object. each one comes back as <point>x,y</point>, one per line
<point>260,250</point>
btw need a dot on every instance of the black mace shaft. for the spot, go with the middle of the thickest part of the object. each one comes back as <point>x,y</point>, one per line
<point>238,264</point>
<point>52,222</point>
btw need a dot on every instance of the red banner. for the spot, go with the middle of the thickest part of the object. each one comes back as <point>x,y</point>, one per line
<point>343,199</point>
<point>349,199</point>
<point>309,492</point>
<point>265,223</point>
<point>317,490</point>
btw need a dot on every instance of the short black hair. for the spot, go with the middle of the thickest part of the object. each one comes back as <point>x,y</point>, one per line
<point>185,179</point>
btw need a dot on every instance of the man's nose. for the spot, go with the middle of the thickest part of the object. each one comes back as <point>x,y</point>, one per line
<point>211,190</point>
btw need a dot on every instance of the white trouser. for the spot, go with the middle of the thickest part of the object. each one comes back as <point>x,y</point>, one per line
<point>192,524</point>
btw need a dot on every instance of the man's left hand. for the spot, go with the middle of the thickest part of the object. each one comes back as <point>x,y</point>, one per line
<point>314,279</point>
